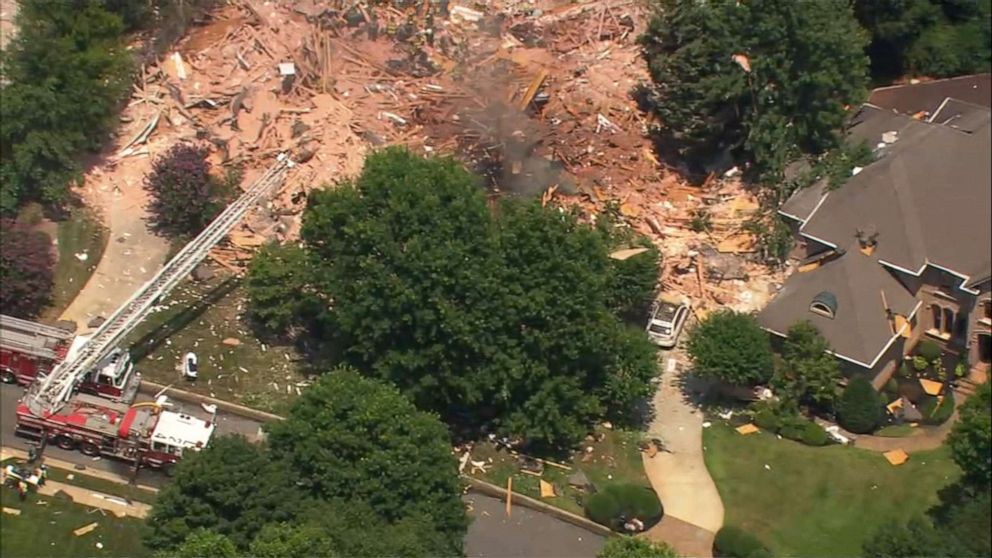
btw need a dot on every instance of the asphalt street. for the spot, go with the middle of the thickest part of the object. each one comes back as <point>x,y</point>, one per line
<point>491,535</point>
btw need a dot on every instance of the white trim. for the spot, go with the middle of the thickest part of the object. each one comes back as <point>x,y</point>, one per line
<point>874,361</point>
<point>820,240</point>
<point>940,108</point>
<point>791,216</point>
<point>816,208</point>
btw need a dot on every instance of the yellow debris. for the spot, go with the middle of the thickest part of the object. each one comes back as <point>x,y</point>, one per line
<point>547,489</point>
<point>84,529</point>
<point>11,511</point>
<point>747,429</point>
<point>895,405</point>
<point>931,387</point>
<point>896,457</point>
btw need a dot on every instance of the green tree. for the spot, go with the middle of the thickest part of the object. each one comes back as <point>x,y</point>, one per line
<point>938,38</point>
<point>284,540</point>
<point>231,488</point>
<point>203,544</point>
<point>971,438</point>
<point>278,284</point>
<point>914,539</point>
<point>354,438</point>
<point>500,318</point>
<point>803,63</point>
<point>731,346</point>
<point>859,409</point>
<point>809,375</point>
<point>635,547</point>
<point>64,75</point>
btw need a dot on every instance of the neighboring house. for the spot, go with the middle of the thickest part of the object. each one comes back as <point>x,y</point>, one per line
<point>903,250</point>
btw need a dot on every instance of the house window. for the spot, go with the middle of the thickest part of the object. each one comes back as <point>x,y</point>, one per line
<point>824,304</point>
<point>987,310</point>
<point>961,327</point>
<point>948,321</point>
<point>937,315</point>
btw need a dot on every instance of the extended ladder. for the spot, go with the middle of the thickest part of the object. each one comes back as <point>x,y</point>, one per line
<point>47,395</point>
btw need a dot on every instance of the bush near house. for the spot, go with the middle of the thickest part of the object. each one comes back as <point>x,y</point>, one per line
<point>619,503</point>
<point>185,197</point>
<point>859,410</point>
<point>929,350</point>
<point>733,542</point>
<point>731,347</point>
<point>26,269</point>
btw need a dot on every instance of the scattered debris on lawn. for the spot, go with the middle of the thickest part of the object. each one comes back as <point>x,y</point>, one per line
<point>85,529</point>
<point>896,457</point>
<point>746,429</point>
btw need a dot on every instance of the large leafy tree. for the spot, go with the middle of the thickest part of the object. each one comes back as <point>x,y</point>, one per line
<point>279,283</point>
<point>355,438</point>
<point>500,318</point>
<point>231,488</point>
<point>203,543</point>
<point>938,38</point>
<point>762,79</point>
<point>809,375</point>
<point>971,439</point>
<point>731,346</point>
<point>65,73</point>
<point>26,269</point>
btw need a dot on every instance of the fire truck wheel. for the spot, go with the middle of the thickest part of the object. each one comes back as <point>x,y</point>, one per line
<point>8,377</point>
<point>65,443</point>
<point>89,448</point>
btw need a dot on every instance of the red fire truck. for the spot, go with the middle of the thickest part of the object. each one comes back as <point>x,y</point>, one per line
<point>28,349</point>
<point>145,434</point>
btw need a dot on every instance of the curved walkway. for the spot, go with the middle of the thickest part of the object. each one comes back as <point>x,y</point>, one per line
<point>693,509</point>
<point>133,254</point>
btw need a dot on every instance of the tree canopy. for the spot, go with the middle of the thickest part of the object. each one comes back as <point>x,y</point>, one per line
<point>353,457</point>
<point>971,438</point>
<point>859,409</point>
<point>279,282</point>
<point>504,318</point>
<point>763,80</point>
<point>354,438</point>
<point>731,346</point>
<point>65,73</point>
<point>936,38</point>
<point>809,374</point>
<point>26,269</point>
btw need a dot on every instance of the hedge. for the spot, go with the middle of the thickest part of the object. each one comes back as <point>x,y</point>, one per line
<point>766,419</point>
<point>934,413</point>
<point>814,435</point>
<point>618,503</point>
<point>860,410</point>
<point>732,542</point>
<point>928,350</point>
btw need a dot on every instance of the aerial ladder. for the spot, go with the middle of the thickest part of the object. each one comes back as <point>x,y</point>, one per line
<point>47,395</point>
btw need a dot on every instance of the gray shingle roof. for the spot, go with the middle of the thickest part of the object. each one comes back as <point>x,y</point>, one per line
<point>927,96</point>
<point>860,327</point>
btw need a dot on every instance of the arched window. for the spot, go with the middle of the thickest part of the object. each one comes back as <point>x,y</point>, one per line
<point>937,316</point>
<point>824,304</point>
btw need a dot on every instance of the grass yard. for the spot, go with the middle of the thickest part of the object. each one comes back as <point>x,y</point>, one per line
<point>95,484</point>
<point>81,233</point>
<point>896,431</point>
<point>45,525</point>
<point>615,458</point>
<point>198,317</point>
<point>817,501</point>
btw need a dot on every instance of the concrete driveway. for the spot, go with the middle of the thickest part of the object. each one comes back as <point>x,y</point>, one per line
<point>693,509</point>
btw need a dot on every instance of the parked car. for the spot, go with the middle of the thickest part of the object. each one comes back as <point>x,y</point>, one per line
<point>189,366</point>
<point>668,317</point>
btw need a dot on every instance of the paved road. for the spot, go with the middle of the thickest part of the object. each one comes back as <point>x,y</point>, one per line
<point>526,534</point>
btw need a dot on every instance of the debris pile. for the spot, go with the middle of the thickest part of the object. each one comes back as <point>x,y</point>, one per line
<point>535,96</point>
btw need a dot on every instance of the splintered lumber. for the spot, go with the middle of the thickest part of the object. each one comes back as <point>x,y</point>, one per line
<point>533,89</point>
<point>509,495</point>
<point>627,253</point>
<point>85,529</point>
<point>11,511</point>
<point>140,137</point>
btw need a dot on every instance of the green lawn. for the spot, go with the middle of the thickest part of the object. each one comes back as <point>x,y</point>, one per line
<point>44,529</point>
<point>81,233</point>
<point>896,431</point>
<point>817,501</point>
<point>198,317</point>
<point>615,458</point>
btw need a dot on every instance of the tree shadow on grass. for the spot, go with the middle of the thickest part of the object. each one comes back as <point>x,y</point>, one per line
<point>152,340</point>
